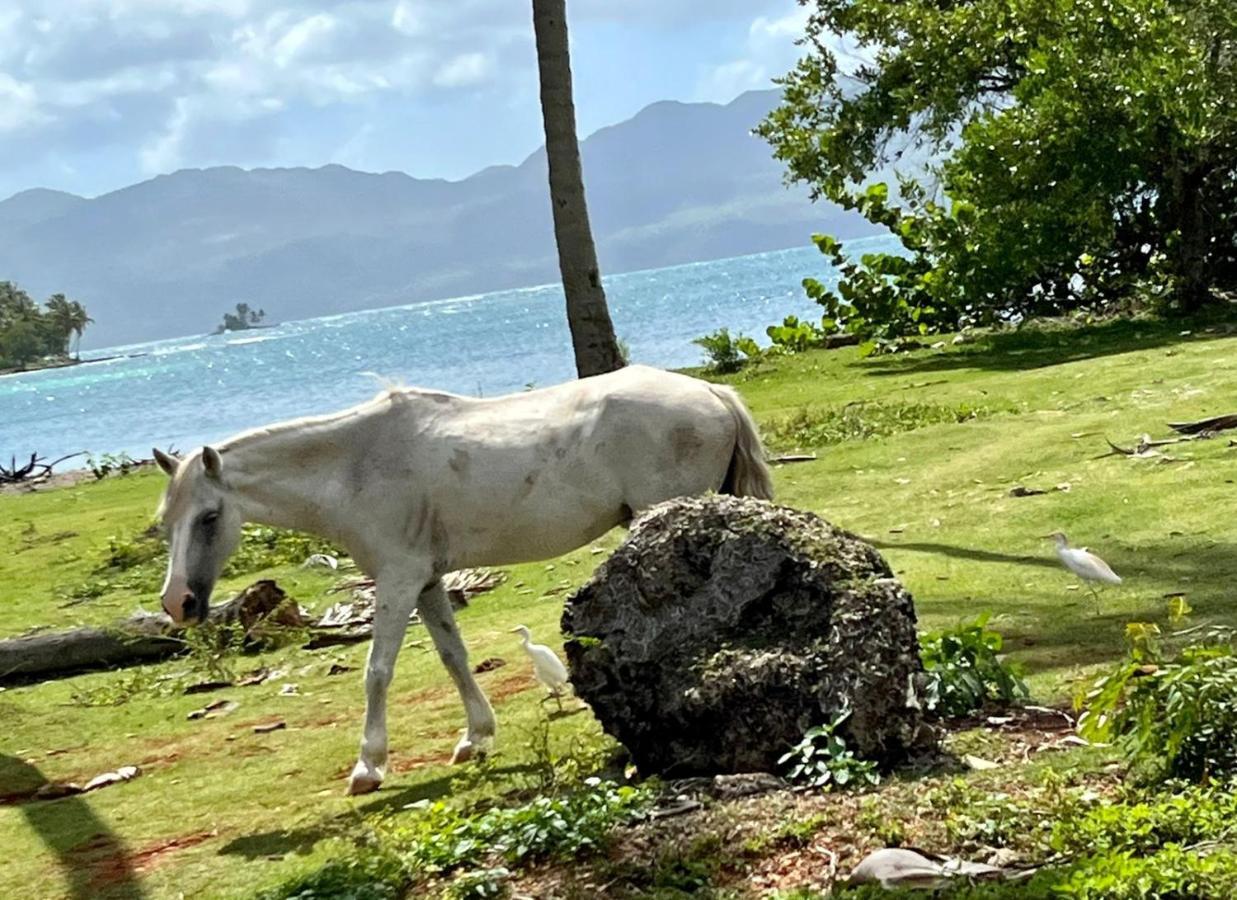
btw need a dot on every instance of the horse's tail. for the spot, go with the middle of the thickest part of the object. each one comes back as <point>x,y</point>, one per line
<point>748,475</point>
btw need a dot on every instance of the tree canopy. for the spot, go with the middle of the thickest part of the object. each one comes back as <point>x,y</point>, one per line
<point>28,333</point>
<point>244,317</point>
<point>1084,151</point>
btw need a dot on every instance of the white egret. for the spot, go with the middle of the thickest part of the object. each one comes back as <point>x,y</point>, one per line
<point>1085,564</point>
<point>547,667</point>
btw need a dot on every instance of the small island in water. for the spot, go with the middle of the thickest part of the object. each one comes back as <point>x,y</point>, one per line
<point>245,318</point>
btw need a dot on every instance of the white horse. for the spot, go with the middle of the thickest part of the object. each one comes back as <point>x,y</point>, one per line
<point>415,484</point>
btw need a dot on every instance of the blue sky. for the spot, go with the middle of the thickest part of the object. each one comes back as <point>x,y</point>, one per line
<point>98,94</point>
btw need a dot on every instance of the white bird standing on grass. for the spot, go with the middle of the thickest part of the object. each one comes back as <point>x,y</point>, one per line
<point>1085,564</point>
<point>547,667</point>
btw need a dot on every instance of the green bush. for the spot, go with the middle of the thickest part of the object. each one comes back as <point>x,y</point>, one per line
<point>726,353</point>
<point>1174,719</point>
<point>105,464</point>
<point>795,336</point>
<point>1146,823</point>
<point>444,838</point>
<point>1173,873</point>
<point>480,884</point>
<point>822,760</point>
<point>965,670</point>
<point>263,547</point>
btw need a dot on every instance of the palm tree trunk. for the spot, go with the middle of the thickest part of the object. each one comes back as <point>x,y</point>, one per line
<point>592,332</point>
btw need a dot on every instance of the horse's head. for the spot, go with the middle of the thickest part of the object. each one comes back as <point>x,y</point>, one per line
<point>203,527</point>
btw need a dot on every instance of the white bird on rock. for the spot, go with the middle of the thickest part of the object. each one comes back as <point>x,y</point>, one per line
<point>1085,564</point>
<point>547,667</point>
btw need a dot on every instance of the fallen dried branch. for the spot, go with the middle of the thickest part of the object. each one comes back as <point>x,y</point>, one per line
<point>37,469</point>
<point>1206,426</point>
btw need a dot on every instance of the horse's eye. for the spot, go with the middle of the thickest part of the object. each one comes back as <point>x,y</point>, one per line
<point>210,518</point>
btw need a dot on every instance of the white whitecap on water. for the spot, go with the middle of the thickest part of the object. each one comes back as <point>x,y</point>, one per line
<point>179,348</point>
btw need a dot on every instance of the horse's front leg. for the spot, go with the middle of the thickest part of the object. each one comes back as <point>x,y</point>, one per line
<point>396,595</point>
<point>436,613</point>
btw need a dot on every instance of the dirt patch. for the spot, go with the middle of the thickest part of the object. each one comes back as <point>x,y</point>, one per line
<point>160,759</point>
<point>117,867</point>
<point>400,764</point>
<point>512,685</point>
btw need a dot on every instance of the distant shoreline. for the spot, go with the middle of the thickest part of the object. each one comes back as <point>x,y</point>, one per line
<point>64,364</point>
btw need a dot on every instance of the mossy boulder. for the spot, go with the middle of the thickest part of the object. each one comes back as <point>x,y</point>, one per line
<point>723,628</point>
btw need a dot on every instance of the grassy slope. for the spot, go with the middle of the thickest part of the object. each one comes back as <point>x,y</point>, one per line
<point>220,810</point>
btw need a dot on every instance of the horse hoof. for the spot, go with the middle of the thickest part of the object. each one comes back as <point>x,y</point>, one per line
<point>363,781</point>
<point>362,785</point>
<point>467,750</point>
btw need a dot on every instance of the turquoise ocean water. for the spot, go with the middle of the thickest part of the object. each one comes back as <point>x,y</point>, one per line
<point>188,391</point>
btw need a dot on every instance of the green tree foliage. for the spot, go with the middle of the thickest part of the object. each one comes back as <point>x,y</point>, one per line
<point>28,334</point>
<point>244,317</point>
<point>1086,149</point>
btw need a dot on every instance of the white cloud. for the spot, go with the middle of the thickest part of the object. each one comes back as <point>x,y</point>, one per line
<point>769,51</point>
<point>19,105</point>
<point>465,70</point>
<point>406,20</point>
<point>310,35</point>
<point>163,152</point>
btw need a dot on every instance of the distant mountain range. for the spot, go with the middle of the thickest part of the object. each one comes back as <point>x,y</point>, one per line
<point>678,182</point>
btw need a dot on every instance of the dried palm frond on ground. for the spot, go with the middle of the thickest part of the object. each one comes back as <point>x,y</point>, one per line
<point>460,586</point>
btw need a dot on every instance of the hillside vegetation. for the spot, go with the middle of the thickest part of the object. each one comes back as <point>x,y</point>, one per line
<point>917,452</point>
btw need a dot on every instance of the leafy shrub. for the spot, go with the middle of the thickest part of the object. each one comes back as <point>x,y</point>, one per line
<point>1173,719</point>
<point>108,463</point>
<point>795,336</point>
<point>726,353</point>
<point>214,648</point>
<point>822,760</point>
<point>1144,824</point>
<point>443,838</point>
<point>819,426</point>
<point>480,884</point>
<point>263,547</point>
<point>1173,873</point>
<point>965,669</point>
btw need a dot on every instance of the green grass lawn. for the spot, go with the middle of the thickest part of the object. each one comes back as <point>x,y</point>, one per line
<point>220,811</point>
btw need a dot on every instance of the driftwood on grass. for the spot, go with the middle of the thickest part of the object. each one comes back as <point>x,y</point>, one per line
<point>1206,426</point>
<point>259,609</point>
<point>37,469</point>
<point>143,637</point>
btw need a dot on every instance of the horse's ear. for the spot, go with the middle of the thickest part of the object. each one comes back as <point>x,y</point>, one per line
<point>212,462</point>
<point>167,462</point>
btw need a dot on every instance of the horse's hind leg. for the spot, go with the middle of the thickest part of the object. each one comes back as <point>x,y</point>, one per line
<point>436,613</point>
<point>396,596</point>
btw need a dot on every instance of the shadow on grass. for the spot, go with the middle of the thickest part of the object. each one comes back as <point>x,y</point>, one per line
<point>1035,348</point>
<point>93,861</point>
<point>971,553</point>
<point>303,840</point>
<point>1079,631</point>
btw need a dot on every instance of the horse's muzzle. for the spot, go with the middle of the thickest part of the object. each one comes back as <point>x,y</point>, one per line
<point>188,609</point>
